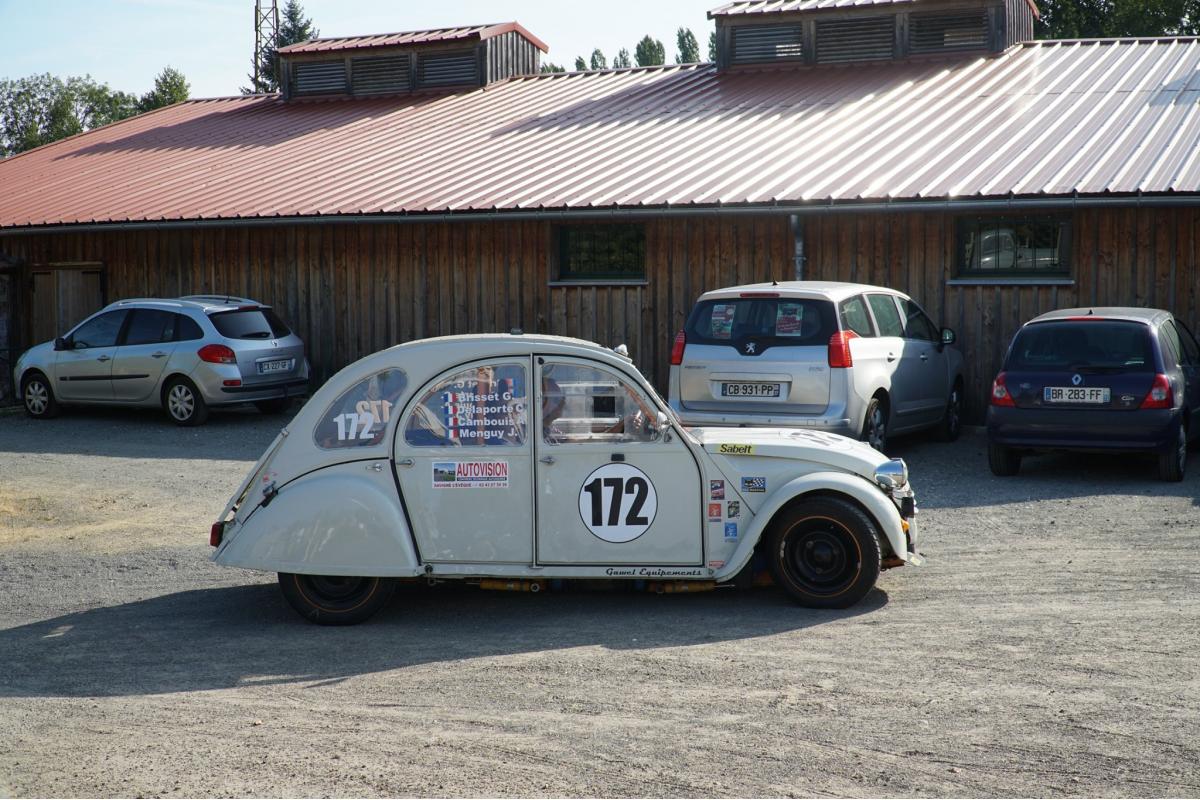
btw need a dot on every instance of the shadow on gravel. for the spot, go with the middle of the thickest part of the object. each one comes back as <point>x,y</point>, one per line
<point>247,635</point>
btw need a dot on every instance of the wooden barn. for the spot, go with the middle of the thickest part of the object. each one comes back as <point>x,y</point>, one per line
<point>427,183</point>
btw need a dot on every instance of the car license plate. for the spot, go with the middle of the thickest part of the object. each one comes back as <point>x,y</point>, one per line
<point>1076,394</point>
<point>279,365</point>
<point>750,389</point>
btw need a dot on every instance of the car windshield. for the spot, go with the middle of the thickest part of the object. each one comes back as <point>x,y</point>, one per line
<point>256,323</point>
<point>1108,345</point>
<point>801,322</point>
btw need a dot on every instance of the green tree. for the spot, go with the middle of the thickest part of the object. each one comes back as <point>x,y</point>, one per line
<point>712,46</point>
<point>170,87</point>
<point>689,48</point>
<point>622,60</point>
<point>1084,19</point>
<point>580,64</point>
<point>649,52</point>
<point>598,60</point>
<point>549,67</point>
<point>294,27</point>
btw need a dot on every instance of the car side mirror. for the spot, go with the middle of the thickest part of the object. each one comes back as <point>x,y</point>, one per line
<point>664,423</point>
<point>948,337</point>
<point>60,343</point>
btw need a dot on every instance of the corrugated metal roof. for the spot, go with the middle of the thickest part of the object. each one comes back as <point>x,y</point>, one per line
<point>1043,119</point>
<point>434,36</point>
<point>740,7</point>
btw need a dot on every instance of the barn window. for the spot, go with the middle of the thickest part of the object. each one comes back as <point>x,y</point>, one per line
<point>1037,246</point>
<point>615,252</point>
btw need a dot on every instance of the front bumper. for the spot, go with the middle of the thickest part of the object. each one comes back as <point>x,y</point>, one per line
<point>829,424</point>
<point>1150,430</point>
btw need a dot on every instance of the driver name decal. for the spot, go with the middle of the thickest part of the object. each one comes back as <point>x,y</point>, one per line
<point>470,474</point>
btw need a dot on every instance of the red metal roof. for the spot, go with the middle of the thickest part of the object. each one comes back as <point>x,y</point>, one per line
<point>1043,119</point>
<point>435,36</point>
<point>740,7</point>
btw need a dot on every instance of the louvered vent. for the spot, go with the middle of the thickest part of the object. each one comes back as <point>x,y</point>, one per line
<point>754,44</point>
<point>869,39</point>
<point>320,77</point>
<point>947,33</point>
<point>382,75</point>
<point>448,69</point>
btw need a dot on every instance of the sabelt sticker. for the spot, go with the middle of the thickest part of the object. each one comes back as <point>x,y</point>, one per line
<point>617,503</point>
<point>736,449</point>
<point>470,474</point>
<point>754,484</point>
<point>730,530</point>
<point>716,490</point>
<point>734,509</point>
<point>714,512</point>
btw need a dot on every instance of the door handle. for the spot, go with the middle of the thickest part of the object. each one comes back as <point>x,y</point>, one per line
<point>547,459</point>
<point>376,467</point>
<point>157,355</point>
<point>891,357</point>
<point>924,356</point>
<point>102,358</point>
<point>404,462</point>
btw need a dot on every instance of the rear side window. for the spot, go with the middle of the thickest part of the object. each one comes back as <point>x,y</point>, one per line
<point>250,324</point>
<point>1115,346</point>
<point>886,315</point>
<point>186,329</point>
<point>1191,352</point>
<point>855,317</point>
<point>150,326</point>
<point>778,320</point>
<point>360,415</point>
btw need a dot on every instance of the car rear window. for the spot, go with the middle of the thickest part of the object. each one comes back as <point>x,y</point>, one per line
<point>1107,345</point>
<point>780,320</point>
<point>259,323</point>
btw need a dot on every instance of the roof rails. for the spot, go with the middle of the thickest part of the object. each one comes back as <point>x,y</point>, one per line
<point>224,299</point>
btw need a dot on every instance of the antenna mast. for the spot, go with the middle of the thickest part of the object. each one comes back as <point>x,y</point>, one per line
<point>266,34</point>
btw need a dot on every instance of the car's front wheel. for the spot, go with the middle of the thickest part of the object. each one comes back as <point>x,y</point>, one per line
<point>183,403</point>
<point>38,397</point>
<point>825,552</point>
<point>335,599</point>
<point>1171,464</point>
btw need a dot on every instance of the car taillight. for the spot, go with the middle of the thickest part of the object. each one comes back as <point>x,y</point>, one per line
<point>677,349</point>
<point>839,349</point>
<point>1160,394</point>
<point>217,354</point>
<point>1000,395</point>
<point>216,533</point>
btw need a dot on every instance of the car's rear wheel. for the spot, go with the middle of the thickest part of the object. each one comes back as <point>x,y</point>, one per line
<point>1171,464</point>
<point>874,430</point>
<point>335,599</point>
<point>276,405</point>
<point>38,397</point>
<point>951,424</point>
<point>183,403</point>
<point>1004,461</point>
<point>825,552</point>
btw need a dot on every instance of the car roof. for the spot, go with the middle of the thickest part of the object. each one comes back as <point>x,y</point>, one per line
<point>1148,316</point>
<point>208,303</point>
<point>829,290</point>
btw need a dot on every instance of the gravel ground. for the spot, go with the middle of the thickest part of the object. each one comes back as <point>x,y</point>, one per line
<point>1048,647</point>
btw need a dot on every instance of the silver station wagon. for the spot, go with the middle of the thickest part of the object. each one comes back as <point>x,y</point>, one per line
<point>862,361</point>
<point>512,460</point>
<point>185,356</point>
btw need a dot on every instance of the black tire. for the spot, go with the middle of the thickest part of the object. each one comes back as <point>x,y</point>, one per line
<point>276,405</point>
<point>825,552</point>
<point>874,429</point>
<point>335,600</point>
<point>951,425</point>
<point>38,396</point>
<point>1171,465</point>
<point>183,403</point>
<point>1004,461</point>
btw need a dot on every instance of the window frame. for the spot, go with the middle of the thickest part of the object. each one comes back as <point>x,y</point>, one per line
<point>964,225</point>
<point>559,268</point>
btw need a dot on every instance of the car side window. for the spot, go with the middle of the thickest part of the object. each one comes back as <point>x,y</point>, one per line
<point>482,406</point>
<point>886,315</point>
<point>150,326</point>
<point>360,415</point>
<point>1174,349</point>
<point>186,329</point>
<point>101,331</point>
<point>1191,351</point>
<point>587,404</point>
<point>855,317</point>
<point>916,324</point>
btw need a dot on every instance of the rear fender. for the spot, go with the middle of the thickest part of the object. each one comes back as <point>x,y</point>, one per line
<point>878,505</point>
<point>339,520</point>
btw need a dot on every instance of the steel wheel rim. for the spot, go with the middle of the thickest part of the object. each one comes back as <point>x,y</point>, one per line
<point>876,429</point>
<point>820,556</point>
<point>37,397</point>
<point>181,402</point>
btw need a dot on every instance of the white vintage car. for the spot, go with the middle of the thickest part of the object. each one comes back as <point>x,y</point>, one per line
<point>512,460</point>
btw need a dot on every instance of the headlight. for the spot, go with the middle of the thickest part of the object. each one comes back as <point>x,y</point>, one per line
<point>892,475</point>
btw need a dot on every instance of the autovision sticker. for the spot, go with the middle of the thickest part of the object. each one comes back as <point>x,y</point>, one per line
<point>754,484</point>
<point>470,474</point>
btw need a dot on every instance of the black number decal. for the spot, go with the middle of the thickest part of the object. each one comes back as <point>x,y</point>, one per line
<point>593,488</point>
<point>614,500</point>
<point>638,488</point>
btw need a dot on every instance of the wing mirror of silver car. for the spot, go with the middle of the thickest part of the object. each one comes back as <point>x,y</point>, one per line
<point>61,344</point>
<point>948,337</point>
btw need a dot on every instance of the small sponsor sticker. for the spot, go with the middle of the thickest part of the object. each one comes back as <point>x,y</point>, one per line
<point>716,490</point>
<point>733,509</point>
<point>470,474</point>
<point>714,512</point>
<point>730,530</point>
<point>736,449</point>
<point>754,484</point>
<point>716,564</point>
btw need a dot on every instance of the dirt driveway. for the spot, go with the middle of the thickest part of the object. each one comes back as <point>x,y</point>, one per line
<point>1049,647</point>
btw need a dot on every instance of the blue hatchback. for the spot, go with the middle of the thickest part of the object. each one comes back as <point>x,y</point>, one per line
<point>1097,379</point>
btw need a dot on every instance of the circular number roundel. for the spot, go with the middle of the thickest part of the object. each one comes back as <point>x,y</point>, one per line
<point>617,503</point>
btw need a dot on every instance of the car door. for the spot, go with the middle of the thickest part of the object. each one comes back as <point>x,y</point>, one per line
<point>612,488</point>
<point>143,353</point>
<point>464,462</point>
<point>83,370</point>
<point>890,346</point>
<point>925,360</point>
<point>1190,364</point>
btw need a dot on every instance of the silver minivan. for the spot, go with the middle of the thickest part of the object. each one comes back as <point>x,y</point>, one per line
<point>185,355</point>
<point>862,361</point>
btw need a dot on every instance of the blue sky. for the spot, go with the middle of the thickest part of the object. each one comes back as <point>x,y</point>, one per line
<point>125,43</point>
